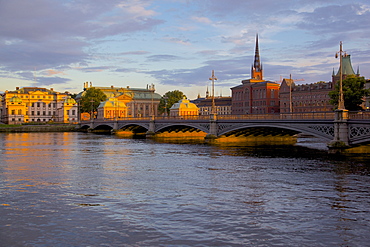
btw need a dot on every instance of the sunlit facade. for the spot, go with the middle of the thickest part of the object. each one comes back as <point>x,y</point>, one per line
<point>126,101</point>
<point>33,104</point>
<point>184,108</point>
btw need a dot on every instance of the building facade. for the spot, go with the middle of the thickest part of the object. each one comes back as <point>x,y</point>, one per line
<point>222,106</point>
<point>255,95</point>
<point>312,97</point>
<point>184,108</point>
<point>33,104</point>
<point>137,102</point>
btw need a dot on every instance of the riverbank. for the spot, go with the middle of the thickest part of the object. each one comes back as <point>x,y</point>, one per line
<point>39,128</point>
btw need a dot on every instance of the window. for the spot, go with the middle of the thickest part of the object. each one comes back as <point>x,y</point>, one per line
<point>73,112</point>
<point>19,112</point>
<point>38,104</point>
<point>13,112</point>
<point>38,113</point>
<point>32,113</point>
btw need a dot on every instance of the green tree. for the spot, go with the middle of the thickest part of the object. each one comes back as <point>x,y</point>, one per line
<point>353,93</point>
<point>92,98</point>
<point>168,99</point>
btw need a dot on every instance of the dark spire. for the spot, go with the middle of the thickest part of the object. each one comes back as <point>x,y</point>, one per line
<point>257,62</point>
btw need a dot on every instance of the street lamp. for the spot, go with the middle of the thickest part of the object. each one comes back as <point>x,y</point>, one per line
<point>213,79</point>
<point>341,54</point>
<point>165,106</point>
<point>92,109</point>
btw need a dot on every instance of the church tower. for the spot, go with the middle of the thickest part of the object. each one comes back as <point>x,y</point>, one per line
<point>257,71</point>
<point>346,70</point>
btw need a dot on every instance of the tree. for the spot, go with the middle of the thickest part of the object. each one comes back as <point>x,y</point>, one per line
<point>168,99</point>
<point>353,93</point>
<point>91,99</point>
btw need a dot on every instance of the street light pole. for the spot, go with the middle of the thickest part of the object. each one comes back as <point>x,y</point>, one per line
<point>341,54</point>
<point>213,79</point>
<point>92,110</point>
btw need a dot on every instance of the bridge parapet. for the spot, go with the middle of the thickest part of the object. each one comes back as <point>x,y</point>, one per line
<point>351,128</point>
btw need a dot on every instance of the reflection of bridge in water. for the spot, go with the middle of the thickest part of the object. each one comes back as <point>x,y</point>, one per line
<point>338,129</point>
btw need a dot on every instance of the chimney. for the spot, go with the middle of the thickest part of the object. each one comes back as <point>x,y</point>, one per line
<point>51,89</point>
<point>17,88</point>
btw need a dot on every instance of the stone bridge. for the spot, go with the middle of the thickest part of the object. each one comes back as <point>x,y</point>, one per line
<point>338,129</point>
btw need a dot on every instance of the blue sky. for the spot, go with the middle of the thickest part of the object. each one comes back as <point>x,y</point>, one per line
<point>175,44</point>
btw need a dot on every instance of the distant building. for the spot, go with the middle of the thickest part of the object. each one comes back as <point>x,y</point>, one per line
<point>222,106</point>
<point>184,108</point>
<point>313,97</point>
<point>255,95</point>
<point>138,102</point>
<point>34,104</point>
<point>305,97</point>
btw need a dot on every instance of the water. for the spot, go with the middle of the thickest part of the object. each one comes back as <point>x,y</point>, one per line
<point>76,189</point>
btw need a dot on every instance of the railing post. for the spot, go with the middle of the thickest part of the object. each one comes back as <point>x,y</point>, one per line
<point>341,138</point>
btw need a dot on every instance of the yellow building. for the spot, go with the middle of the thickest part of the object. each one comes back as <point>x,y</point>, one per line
<point>137,102</point>
<point>33,104</point>
<point>184,108</point>
<point>112,109</point>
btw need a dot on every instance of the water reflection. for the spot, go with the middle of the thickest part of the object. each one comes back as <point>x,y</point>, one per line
<point>76,189</point>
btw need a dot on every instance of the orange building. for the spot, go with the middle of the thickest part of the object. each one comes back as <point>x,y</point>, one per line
<point>255,95</point>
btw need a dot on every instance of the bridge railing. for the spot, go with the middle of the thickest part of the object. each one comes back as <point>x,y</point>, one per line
<point>281,116</point>
<point>359,115</point>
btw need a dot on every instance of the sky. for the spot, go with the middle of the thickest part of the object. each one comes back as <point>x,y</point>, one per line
<point>175,44</point>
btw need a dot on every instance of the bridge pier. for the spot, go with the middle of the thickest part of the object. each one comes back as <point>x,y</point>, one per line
<point>151,131</point>
<point>213,128</point>
<point>115,127</point>
<point>341,133</point>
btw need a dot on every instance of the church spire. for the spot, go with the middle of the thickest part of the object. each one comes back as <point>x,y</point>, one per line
<point>257,63</point>
<point>257,66</point>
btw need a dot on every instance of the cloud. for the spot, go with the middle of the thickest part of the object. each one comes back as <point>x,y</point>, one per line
<point>335,19</point>
<point>203,19</point>
<point>163,58</point>
<point>47,81</point>
<point>45,34</point>
<point>51,72</point>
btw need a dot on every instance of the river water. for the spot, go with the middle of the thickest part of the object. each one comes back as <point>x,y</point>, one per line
<point>78,189</point>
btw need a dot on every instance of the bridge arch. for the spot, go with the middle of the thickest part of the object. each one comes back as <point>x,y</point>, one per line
<point>201,127</point>
<point>289,129</point>
<point>135,129</point>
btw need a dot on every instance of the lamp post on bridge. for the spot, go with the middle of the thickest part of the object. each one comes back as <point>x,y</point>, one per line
<point>213,120</point>
<point>341,127</point>
<point>341,54</point>
<point>213,79</point>
<point>92,110</point>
